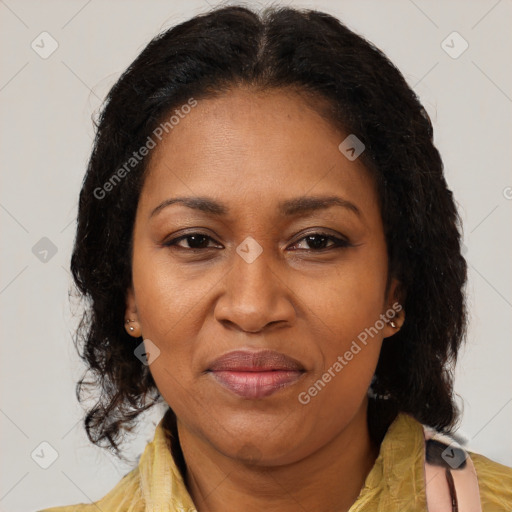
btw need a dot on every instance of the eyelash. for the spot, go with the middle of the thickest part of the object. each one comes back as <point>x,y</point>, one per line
<point>339,243</point>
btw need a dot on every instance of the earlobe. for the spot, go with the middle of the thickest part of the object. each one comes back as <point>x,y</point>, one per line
<point>131,321</point>
<point>133,328</point>
<point>395,313</point>
<point>395,317</point>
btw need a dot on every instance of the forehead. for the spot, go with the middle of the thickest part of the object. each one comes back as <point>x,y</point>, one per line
<point>254,148</point>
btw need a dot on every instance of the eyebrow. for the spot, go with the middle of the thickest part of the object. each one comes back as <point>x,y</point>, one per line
<point>291,207</point>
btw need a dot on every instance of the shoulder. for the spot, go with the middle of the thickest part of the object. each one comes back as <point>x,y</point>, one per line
<point>126,495</point>
<point>495,483</point>
<point>494,479</point>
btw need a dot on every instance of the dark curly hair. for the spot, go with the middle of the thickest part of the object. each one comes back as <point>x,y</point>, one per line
<point>362,93</point>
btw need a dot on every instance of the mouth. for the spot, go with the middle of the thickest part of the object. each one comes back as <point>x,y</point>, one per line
<point>254,375</point>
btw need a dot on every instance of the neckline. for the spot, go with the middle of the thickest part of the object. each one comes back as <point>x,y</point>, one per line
<point>163,468</point>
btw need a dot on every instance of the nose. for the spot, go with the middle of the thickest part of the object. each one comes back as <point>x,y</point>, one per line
<point>255,296</point>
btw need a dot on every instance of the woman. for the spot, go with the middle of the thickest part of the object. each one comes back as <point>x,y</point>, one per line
<point>268,245</point>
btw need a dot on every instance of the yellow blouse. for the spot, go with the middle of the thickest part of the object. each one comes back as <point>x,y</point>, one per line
<point>395,483</point>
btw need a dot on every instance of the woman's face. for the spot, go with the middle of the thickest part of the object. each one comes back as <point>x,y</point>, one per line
<point>260,271</point>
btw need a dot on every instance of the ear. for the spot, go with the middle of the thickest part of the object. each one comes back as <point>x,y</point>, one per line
<point>131,318</point>
<point>394,314</point>
<point>131,307</point>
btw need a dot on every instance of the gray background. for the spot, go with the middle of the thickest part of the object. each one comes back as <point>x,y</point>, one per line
<point>46,139</point>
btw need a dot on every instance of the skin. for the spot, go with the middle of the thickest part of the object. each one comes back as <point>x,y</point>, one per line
<point>251,150</point>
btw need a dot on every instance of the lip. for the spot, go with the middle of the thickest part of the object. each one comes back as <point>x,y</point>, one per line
<point>255,375</point>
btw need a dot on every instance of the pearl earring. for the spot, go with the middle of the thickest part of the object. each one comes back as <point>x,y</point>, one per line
<point>131,326</point>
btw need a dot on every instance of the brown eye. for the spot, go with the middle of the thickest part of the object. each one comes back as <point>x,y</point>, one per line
<point>319,241</point>
<point>195,241</point>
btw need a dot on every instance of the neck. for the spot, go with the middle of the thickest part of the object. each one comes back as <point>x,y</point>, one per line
<point>329,479</point>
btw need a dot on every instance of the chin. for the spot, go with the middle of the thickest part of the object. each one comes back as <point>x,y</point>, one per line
<point>269,445</point>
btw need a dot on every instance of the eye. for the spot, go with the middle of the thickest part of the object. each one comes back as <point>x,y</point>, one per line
<point>318,241</point>
<point>195,241</point>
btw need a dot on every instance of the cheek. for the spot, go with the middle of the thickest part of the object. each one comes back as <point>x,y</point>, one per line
<point>348,345</point>
<point>169,300</point>
<point>168,307</point>
<point>351,296</point>
<point>346,309</point>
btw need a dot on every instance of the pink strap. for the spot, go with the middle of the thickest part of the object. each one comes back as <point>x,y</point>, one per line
<point>451,483</point>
